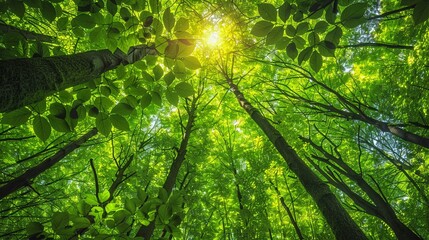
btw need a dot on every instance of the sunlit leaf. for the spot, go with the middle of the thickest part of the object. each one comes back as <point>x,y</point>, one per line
<point>421,12</point>
<point>274,35</point>
<point>84,20</point>
<point>262,28</point>
<point>48,11</point>
<point>172,96</point>
<point>122,109</point>
<point>291,50</point>
<point>267,11</point>
<point>41,127</point>
<point>191,62</point>
<point>168,19</point>
<point>316,61</point>
<point>103,124</point>
<point>119,122</point>
<point>184,89</point>
<point>352,15</point>
<point>285,11</point>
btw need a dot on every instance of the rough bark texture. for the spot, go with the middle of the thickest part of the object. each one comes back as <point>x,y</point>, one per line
<point>342,225</point>
<point>30,174</point>
<point>25,81</point>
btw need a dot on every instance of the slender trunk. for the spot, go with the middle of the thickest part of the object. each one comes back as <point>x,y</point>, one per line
<point>147,231</point>
<point>382,208</point>
<point>30,174</point>
<point>28,80</point>
<point>289,213</point>
<point>376,44</point>
<point>339,220</point>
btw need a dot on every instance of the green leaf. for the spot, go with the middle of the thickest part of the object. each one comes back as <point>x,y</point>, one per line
<point>91,199</point>
<point>62,23</point>
<point>316,61</point>
<point>105,91</point>
<point>169,78</point>
<point>291,50</point>
<point>155,6</point>
<point>262,28</point>
<point>184,89</point>
<point>103,196</point>
<point>130,205</point>
<point>58,124</point>
<point>84,94</point>
<point>275,35</point>
<point>191,62</point>
<point>313,38</point>
<point>103,124</point>
<point>172,96</point>
<point>162,195</point>
<point>48,11</point>
<point>267,11</point>
<point>58,110</point>
<point>334,36</point>
<point>34,228</point>
<point>302,28</point>
<point>39,107</point>
<point>145,100</point>
<point>122,109</point>
<point>17,7</point>
<point>182,25</point>
<point>285,11</point>
<point>290,30</point>
<point>326,49</point>
<point>157,27</point>
<point>299,42</point>
<point>320,27</point>
<point>142,195</point>
<point>304,55</point>
<point>119,122</point>
<point>282,43</point>
<point>168,19</point>
<point>60,220</point>
<point>80,222</point>
<point>125,13</point>
<point>112,8</point>
<point>163,214</point>
<point>156,98</point>
<point>158,72</point>
<point>421,12</point>
<point>352,15</point>
<point>41,127</point>
<point>84,20</point>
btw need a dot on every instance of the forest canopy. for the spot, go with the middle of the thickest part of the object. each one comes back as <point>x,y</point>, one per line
<point>160,119</point>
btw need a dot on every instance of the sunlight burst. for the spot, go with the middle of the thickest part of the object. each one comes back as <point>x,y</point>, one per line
<point>213,39</point>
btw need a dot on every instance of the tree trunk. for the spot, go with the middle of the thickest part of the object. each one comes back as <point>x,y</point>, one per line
<point>147,231</point>
<point>339,220</point>
<point>30,174</point>
<point>28,80</point>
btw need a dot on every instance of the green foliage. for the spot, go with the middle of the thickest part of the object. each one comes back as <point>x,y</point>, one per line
<point>267,11</point>
<point>294,60</point>
<point>421,12</point>
<point>352,15</point>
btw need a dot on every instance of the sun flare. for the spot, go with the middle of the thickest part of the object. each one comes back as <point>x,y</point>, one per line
<point>213,38</point>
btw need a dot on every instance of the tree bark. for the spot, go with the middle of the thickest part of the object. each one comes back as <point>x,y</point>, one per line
<point>30,174</point>
<point>381,208</point>
<point>340,222</point>
<point>147,231</point>
<point>28,80</point>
